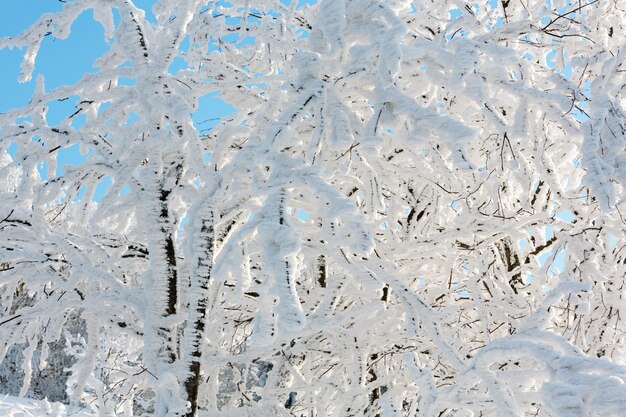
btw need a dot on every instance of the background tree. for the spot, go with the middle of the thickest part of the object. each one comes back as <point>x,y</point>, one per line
<point>415,210</point>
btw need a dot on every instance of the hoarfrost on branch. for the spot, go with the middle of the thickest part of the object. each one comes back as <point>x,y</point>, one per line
<point>415,210</point>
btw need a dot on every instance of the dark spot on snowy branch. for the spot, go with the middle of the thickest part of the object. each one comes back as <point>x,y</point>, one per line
<point>6,220</point>
<point>11,319</point>
<point>80,294</point>
<point>63,132</point>
<point>291,400</point>
<point>75,113</point>
<point>321,269</point>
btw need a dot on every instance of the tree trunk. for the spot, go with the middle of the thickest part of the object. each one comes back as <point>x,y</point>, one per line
<point>198,304</point>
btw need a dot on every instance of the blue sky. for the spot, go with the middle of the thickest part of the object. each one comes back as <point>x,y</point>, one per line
<point>64,62</point>
<point>15,17</point>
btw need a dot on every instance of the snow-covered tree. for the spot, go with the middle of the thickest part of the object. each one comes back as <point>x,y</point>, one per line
<point>414,211</point>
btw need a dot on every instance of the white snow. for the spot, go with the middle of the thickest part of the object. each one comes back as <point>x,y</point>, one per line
<point>26,407</point>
